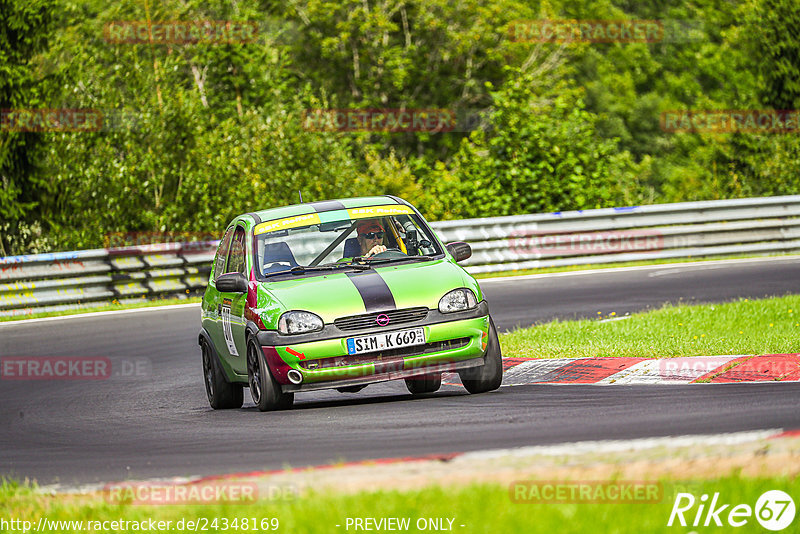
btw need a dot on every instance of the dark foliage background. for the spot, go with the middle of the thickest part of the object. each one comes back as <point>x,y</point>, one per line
<point>203,132</point>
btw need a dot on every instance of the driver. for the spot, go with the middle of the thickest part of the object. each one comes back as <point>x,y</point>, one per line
<point>370,237</point>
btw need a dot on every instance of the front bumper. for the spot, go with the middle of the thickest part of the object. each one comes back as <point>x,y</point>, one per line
<point>457,343</point>
<point>384,376</point>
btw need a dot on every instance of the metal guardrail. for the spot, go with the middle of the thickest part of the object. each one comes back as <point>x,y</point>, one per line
<point>87,278</point>
<point>661,231</point>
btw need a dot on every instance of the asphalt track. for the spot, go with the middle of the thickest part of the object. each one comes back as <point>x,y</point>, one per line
<point>157,422</point>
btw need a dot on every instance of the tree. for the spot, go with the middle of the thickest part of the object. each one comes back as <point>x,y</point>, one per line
<point>24,29</point>
<point>540,153</point>
<point>769,164</point>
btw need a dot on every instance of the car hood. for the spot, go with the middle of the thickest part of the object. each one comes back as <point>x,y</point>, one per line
<point>340,294</point>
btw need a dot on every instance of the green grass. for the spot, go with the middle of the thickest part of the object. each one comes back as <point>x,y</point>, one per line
<point>666,261</point>
<point>481,508</point>
<point>742,327</point>
<point>109,307</point>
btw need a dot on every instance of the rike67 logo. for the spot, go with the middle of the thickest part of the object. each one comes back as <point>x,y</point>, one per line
<point>774,510</point>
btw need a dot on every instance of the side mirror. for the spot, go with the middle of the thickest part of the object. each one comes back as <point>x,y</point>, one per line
<point>232,283</point>
<point>459,250</point>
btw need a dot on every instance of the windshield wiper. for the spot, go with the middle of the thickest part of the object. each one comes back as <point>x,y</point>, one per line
<point>302,269</point>
<point>420,257</point>
<point>357,262</point>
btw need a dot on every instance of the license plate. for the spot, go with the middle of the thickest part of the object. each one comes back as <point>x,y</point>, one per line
<point>386,341</point>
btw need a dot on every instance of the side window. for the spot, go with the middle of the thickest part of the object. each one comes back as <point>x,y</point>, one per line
<point>416,239</point>
<point>222,254</point>
<point>236,256</point>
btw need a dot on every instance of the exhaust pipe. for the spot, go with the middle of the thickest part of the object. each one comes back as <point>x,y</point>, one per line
<point>294,376</point>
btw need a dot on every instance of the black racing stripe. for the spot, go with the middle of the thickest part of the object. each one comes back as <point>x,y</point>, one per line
<point>255,217</point>
<point>327,205</point>
<point>373,290</point>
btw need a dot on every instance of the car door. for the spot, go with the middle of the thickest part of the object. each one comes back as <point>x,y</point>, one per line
<point>211,299</point>
<point>231,306</point>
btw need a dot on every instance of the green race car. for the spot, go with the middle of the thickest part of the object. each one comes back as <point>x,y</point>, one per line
<point>341,294</point>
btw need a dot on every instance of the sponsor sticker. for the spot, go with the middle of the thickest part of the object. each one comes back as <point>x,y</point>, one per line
<point>287,222</point>
<point>226,326</point>
<point>378,211</point>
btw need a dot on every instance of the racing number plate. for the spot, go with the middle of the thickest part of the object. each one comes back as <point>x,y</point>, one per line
<point>387,341</point>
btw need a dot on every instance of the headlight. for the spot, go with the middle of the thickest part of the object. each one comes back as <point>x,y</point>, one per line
<point>299,322</point>
<point>458,300</point>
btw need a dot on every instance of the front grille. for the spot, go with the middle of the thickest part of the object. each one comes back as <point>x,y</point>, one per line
<point>369,320</point>
<point>386,356</point>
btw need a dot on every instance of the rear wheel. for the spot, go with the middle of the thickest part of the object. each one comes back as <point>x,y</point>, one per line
<point>488,376</point>
<point>265,391</point>
<point>221,394</point>
<point>417,385</point>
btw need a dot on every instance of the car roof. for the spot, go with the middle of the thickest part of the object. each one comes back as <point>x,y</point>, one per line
<point>322,206</point>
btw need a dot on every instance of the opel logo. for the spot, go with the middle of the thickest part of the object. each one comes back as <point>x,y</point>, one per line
<point>382,319</point>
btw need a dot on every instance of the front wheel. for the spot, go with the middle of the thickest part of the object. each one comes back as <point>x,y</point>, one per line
<point>418,385</point>
<point>265,391</point>
<point>489,376</point>
<point>222,395</point>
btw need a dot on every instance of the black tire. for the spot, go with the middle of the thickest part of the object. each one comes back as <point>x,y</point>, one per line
<point>418,385</point>
<point>222,395</point>
<point>264,390</point>
<point>488,376</point>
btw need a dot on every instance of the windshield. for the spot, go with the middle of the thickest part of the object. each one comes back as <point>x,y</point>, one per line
<point>342,239</point>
